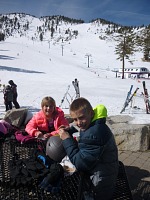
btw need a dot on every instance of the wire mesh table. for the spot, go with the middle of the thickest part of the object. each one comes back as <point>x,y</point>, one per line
<point>69,187</point>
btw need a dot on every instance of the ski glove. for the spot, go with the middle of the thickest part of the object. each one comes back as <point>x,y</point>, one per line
<point>55,173</point>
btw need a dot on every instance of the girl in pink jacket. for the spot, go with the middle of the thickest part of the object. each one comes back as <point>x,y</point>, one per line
<point>47,121</point>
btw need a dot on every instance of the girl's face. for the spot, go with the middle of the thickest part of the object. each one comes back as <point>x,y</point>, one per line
<point>82,118</point>
<point>48,110</point>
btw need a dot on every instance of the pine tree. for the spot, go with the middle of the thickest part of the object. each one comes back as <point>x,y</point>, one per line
<point>41,37</point>
<point>2,36</point>
<point>125,47</point>
<point>146,45</point>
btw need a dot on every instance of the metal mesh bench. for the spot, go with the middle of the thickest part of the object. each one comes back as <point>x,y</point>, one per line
<point>69,189</point>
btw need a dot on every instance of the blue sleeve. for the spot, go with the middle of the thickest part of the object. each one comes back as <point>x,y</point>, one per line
<point>83,157</point>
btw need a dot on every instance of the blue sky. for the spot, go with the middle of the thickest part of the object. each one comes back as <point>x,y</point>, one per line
<point>125,12</point>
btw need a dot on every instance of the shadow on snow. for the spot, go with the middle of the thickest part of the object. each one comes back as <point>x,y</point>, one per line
<point>19,70</point>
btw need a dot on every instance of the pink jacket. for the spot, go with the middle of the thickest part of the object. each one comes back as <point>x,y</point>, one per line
<point>39,122</point>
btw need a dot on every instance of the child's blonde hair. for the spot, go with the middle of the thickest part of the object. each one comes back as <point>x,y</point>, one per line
<point>48,100</point>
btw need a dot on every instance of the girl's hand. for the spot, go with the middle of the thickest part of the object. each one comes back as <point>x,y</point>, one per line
<point>38,134</point>
<point>47,135</point>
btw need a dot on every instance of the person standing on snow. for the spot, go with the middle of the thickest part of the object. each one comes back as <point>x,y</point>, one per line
<point>15,94</point>
<point>8,97</point>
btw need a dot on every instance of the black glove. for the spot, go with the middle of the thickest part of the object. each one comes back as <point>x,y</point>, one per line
<point>55,188</point>
<point>55,173</point>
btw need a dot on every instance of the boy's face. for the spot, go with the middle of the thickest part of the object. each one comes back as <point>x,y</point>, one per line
<point>82,118</point>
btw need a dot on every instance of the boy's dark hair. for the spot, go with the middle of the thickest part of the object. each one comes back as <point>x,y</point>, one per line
<point>80,104</point>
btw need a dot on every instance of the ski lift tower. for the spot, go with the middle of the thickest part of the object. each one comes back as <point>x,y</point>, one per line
<point>49,42</point>
<point>87,55</point>
<point>62,47</point>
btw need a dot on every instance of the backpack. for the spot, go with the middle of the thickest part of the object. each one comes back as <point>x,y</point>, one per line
<point>5,129</point>
<point>23,137</point>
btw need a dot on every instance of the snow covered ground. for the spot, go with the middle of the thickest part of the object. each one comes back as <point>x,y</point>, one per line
<point>47,69</point>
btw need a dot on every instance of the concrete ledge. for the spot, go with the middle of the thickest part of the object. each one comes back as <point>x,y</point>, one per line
<point>132,137</point>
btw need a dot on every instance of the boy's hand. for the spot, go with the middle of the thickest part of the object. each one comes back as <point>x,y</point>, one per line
<point>64,127</point>
<point>63,133</point>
